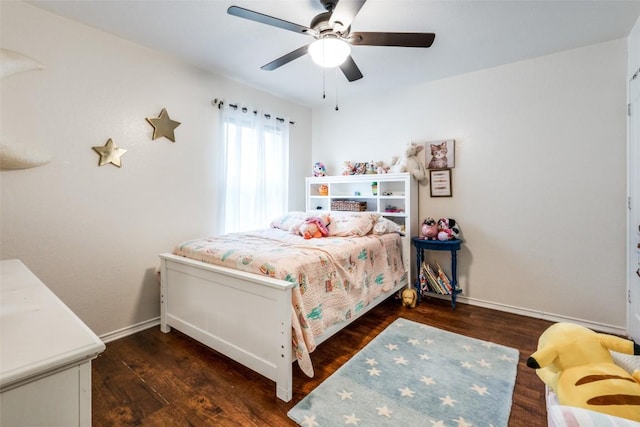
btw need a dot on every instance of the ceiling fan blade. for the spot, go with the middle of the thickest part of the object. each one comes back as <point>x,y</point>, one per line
<point>351,70</point>
<point>344,13</point>
<point>269,20</point>
<point>286,58</point>
<point>392,39</point>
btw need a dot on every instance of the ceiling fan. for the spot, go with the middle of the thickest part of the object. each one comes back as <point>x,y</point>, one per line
<point>332,30</point>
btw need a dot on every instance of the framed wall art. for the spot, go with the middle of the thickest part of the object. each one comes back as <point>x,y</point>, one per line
<point>440,154</point>
<point>440,182</point>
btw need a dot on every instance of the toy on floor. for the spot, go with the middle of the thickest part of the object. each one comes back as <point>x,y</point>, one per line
<point>575,362</point>
<point>409,297</point>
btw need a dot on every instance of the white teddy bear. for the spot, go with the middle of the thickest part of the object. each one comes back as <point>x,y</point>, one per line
<point>410,162</point>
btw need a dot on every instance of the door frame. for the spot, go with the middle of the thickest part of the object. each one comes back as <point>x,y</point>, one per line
<point>633,214</point>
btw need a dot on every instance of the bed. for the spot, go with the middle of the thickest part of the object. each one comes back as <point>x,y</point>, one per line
<point>260,297</point>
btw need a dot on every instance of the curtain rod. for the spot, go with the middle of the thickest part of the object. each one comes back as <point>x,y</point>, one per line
<point>219,103</point>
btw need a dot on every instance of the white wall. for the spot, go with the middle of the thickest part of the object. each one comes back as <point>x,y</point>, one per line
<point>539,185</point>
<point>634,49</point>
<point>92,234</point>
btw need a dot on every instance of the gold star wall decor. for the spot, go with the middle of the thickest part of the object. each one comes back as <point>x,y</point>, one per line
<point>109,153</point>
<point>163,126</point>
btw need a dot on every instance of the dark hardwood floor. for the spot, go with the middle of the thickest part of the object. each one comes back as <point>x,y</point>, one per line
<point>156,379</point>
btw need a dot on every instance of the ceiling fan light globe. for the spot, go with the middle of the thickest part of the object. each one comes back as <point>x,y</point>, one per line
<point>329,52</point>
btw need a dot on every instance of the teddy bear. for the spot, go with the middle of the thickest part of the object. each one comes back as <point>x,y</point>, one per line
<point>314,227</point>
<point>576,363</point>
<point>429,229</point>
<point>410,162</point>
<point>447,229</point>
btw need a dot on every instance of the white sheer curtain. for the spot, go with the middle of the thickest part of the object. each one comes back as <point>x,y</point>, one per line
<point>254,170</point>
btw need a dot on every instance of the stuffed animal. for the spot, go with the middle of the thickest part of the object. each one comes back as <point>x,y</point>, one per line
<point>409,297</point>
<point>410,162</point>
<point>429,229</point>
<point>448,229</point>
<point>348,168</point>
<point>314,227</point>
<point>381,167</point>
<point>319,169</point>
<point>576,363</point>
<point>360,168</point>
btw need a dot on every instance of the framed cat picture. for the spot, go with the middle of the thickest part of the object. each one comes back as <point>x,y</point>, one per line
<point>440,154</point>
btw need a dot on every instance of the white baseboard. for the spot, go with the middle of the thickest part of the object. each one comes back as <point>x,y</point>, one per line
<point>596,326</point>
<point>600,327</point>
<point>129,330</point>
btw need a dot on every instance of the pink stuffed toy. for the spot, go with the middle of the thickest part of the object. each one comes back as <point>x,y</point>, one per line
<point>314,227</point>
<point>429,229</point>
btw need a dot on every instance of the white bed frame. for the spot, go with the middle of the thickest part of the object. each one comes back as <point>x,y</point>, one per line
<point>247,317</point>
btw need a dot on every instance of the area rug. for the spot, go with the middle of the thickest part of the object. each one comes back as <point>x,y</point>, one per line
<point>416,375</point>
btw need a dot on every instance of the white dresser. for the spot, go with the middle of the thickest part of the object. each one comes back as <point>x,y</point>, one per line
<point>45,354</point>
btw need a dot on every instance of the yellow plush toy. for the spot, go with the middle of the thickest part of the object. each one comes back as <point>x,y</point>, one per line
<point>409,297</point>
<point>575,362</point>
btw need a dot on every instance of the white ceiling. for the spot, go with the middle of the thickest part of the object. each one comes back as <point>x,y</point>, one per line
<point>470,35</point>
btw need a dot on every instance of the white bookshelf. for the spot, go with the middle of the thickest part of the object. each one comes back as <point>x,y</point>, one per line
<point>396,198</point>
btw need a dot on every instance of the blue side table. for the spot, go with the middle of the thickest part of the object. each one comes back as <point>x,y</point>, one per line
<point>438,245</point>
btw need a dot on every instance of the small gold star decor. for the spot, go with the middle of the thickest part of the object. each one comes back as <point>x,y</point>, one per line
<point>109,153</point>
<point>163,126</point>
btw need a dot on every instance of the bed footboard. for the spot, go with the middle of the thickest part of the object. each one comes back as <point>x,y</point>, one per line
<point>243,316</point>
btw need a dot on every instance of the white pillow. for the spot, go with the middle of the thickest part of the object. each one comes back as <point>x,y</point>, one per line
<point>289,220</point>
<point>384,225</point>
<point>345,224</point>
<point>628,362</point>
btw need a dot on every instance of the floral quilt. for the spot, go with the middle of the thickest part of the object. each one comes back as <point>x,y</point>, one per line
<point>335,277</point>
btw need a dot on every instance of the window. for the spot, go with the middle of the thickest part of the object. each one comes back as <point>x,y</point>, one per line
<point>255,170</point>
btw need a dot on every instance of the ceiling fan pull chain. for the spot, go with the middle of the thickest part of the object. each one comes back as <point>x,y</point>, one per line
<point>337,89</point>
<point>324,93</point>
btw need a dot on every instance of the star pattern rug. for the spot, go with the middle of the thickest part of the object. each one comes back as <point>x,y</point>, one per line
<point>413,374</point>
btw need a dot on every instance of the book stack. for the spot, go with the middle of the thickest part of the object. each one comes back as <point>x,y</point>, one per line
<point>434,282</point>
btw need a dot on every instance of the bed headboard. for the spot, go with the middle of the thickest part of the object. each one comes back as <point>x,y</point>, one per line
<point>395,196</point>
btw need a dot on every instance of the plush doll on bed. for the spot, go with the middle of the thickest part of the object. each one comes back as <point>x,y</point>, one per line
<point>576,363</point>
<point>314,227</point>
